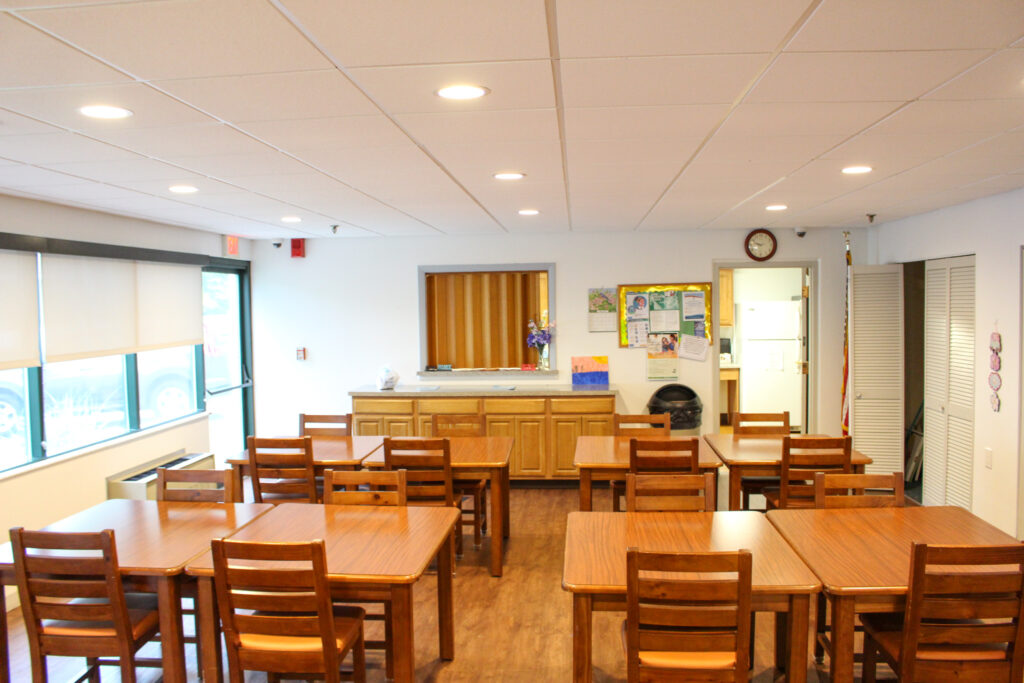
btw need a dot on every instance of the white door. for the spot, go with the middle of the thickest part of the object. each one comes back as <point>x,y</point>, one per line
<point>876,365</point>
<point>949,382</point>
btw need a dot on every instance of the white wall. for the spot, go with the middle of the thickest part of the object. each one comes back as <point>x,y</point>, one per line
<point>353,303</point>
<point>991,229</point>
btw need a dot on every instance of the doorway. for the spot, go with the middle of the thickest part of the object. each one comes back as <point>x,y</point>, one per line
<point>913,376</point>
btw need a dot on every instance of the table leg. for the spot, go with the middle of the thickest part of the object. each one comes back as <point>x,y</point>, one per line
<point>735,479</point>
<point>209,632</point>
<point>782,640</point>
<point>172,643</point>
<point>841,664</point>
<point>402,627</point>
<point>799,623</point>
<point>582,638</point>
<point>586,490</point>
<point>5,670</point>
<point>445,600</point>
<point>498,508</point>
<point>507,489</point>
<point>236,477</point>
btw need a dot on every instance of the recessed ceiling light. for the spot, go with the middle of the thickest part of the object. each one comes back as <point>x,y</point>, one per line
<point>183,189</point>
<point>462,92</point>
<point>105,111</point>
<point>528,212</point>
<point>776,207</point>
<point>291,219</point>
<point>856,170</point>
<point>509,175</point>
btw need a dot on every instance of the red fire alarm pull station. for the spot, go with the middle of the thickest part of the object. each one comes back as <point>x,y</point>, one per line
<point>300,353</point>
<point>299,247</point>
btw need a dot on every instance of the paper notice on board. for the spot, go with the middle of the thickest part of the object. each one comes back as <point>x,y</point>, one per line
<point>665,311</point>
<point>693,306</point>
<point>662,362</point>
<point>636,333</point>
<point>693,348</point>
<point>602,310</point>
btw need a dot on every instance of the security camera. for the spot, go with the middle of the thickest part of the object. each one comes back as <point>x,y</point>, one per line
<point>800,232</point>
<point>277,244</point>
<point>334,229</point>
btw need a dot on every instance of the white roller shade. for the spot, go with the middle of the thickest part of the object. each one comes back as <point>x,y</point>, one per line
<point>89,307</point>
<point>170,305</point>
<point>19,310</point>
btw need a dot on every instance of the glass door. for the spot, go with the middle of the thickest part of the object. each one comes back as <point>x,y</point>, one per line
<point>225,358</point>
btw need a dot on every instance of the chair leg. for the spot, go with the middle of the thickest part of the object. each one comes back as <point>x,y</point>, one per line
<point>127,670</point>
<point>477,540</point>
<point>753,632</point>
<point>870,659</point>
<point>359,660</point>
<point>94,669</point>
<point>614,486</point>
<point>458,535</point>
<point>820,623</point>
<point>389,639</point>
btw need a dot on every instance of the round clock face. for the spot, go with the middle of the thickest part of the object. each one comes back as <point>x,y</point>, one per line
<point>760,245</point>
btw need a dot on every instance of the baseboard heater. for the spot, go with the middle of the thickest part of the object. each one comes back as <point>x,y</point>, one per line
<point>139,482</point>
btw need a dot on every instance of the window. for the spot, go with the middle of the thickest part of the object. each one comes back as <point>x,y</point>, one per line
<point>167,384</point>
<point>84,401</point>
<point>477,317</point>
<point>15,444</point>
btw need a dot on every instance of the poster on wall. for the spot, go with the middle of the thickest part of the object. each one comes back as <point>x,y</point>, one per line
<point>589,370</point>
<point>662,357</point>
<point>602,310</point>
<point>665,311</point>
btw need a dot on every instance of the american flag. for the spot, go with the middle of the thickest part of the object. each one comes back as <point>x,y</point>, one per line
<point>846,340</point>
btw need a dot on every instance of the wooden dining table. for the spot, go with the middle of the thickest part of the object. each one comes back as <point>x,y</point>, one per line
<point>862,557</point>
<point>606,458</point>
<point>373,553</point>
<point>757,456</point>
<point>155,541</point>
<point>486,456</point>
<point>595,571</point>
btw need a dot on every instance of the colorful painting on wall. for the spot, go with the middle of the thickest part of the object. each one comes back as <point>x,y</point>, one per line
<point>589,370</point>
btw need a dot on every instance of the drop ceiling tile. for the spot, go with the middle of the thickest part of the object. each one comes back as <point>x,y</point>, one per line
<point>397,32</point>
<point>411,89</point>
<point>941,117</point>
<point>548,198</point>
<point>222,165</point>
<point>119,171</point>
<point>475,164</point>
<point>645,81</point>
<point>609,28</point>
<point>824,179</point>
<point>447,128</point>
<point>891,153</point>
<point>997,78</point>
<point>202,139</point>
<point>676,151</point>
<point>139,203</point>
<point>725,147</point>
<point>55,148</point>
<point>805,118</point>
<point>185,38</point>
<point>87,192</point>
<point>15,124</point>
<point>631,123</point>
<point>205,187</point>
<point>340,132</point>
<point>545,223</point>
<point>683,213</point>
<point>451,218</point>
<point>270,97</point>
<point>859,76</point>
<point>45,61</point>
<point>1000,146</point>
<point>13,176</point>
<point>60,106</point>
<point>405,163</point>
<point>632,177</point>
<point>910,25</point>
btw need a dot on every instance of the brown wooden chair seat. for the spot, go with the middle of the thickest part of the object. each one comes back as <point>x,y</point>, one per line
<point>279,618</point>
<point>758,424</point>
<point>281,470</point>
<point>475,489</point>
<point>74,603</point>
<point>802,458</point>
<point>641,426</point>
<point>325,425</point>
<point>964,617</point>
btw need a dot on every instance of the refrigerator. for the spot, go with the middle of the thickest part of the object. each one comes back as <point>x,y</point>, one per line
<point>770,355</point>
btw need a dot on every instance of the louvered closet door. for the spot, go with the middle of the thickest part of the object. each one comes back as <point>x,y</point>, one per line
<point>876,365</point>
<point>936,381</point>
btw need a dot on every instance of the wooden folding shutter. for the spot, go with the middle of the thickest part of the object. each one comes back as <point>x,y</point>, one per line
<point>936,384</point>
<point>876,365</point>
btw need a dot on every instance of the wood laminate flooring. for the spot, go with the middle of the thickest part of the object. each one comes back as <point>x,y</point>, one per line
<point>514,628</point>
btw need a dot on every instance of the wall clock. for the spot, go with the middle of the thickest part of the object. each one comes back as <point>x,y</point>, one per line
<point>760,244</point>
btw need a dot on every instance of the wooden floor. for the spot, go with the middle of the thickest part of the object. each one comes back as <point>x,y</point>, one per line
<point>514,628</point>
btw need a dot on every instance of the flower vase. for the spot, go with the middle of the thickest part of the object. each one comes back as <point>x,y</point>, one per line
<point>543,363</point>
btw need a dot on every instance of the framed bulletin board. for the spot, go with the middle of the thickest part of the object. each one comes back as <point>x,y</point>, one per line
<point>665,308</point>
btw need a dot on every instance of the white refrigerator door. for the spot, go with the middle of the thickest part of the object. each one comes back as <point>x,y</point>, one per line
<point>770,378</point>
<point>769,320</point>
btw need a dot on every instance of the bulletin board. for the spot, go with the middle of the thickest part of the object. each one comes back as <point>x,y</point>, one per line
<point>628,292</point>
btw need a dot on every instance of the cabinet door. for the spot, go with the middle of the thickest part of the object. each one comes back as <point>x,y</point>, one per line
<point>398,426</point>
<point>598,425</point>
<point>725,304</point>
<point>426,426</point>
<point>368,426</point>
<point>530,458</point>
<point>564,431</point>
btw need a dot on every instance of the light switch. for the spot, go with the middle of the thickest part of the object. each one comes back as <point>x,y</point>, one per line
<point>988,458</point>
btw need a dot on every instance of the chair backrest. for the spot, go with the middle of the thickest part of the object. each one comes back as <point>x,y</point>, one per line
<point>678,456</point>
<point>221,491</point>
<point>753,424</point>
<point>805,456</point>
<point>458,425</point>
<point>428,465</point>
<point>281,470</point>
<point>643,425</point>
<point>688,602</point>
<point>670,492</point>
<point>858,490</point>
<point>81,585</point>
<point>325,425</point>
<point>381,487</point>
<point>951,589</point>
<point>259,601</point>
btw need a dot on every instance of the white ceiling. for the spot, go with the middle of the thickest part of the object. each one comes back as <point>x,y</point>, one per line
<point>624,114</point>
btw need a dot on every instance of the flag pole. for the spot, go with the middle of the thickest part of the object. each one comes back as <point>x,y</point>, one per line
<point>846,338</point>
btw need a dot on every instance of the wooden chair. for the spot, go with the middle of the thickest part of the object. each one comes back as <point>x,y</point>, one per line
<point>383,487</point>
<point>681,623</point>
<point>802,458</point>
<point>467,425</point>
<point>428,477</point>
<point>679,456</point>
<point>964,617</point>
<point>758,424</point>
<point>281,470</point>
<point>858,490</point>
<point>280,619</point>
<point>75,605</point>
<point>325,425</point>
<point>640,426</point>
<point>223,490</point>
<point>670,492</point>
